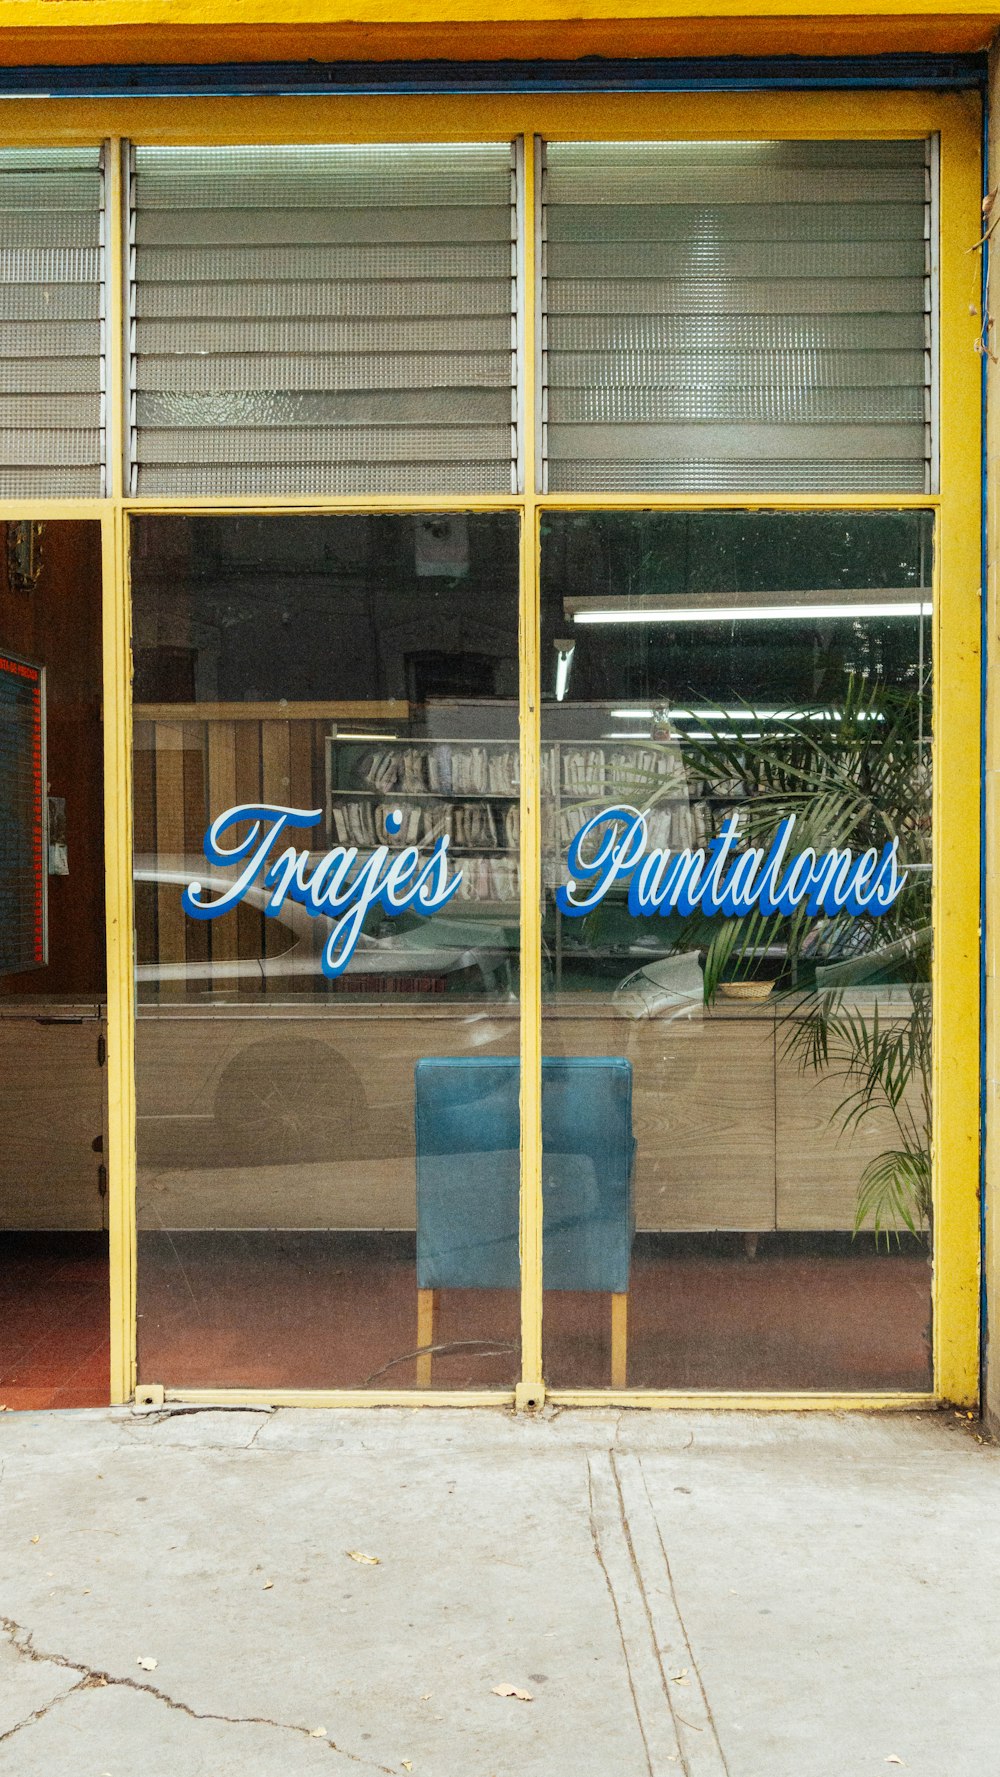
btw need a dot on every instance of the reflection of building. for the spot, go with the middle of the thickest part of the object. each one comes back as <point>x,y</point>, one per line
<point>325,385</point>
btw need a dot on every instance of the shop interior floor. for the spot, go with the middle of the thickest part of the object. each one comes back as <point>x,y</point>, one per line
<point>54,1343</point>
<point>313,1310</point>
<point>307,1310</point>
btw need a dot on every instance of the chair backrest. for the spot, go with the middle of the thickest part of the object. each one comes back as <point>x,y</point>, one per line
<point>467,1134</point>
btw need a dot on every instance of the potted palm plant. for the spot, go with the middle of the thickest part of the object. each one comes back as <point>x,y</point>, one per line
<point>855,991</point>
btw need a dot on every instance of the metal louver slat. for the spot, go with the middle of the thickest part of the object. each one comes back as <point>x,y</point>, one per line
<point>276,265</point>
<point>264,479</point>
<point>218,374</point>
<point>733,260</point>
<point>743,333</point>
<point>326,444</point>
<point>50,302</point>
<point>41,376</point>
<point>192,302</point>
<point>323,319</point>
<point>321,338</point>
<point>294,176</point>
<point>711,369</point>
<point>315,227</point>
<point>776,405</point>
<point>739,296</point>
<point>659,476</point>
<point>701,226</point>
<point>52,440</point>
<point>726,315</point>
<point>271,408</point>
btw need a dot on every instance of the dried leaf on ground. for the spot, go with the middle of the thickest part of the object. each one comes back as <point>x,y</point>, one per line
<point>267,1586</point>
<point>147,1663</point>
<point>894,1759</point>
<point>364,1560</point>
<point>511,1690</point>
<point>317,1733</point>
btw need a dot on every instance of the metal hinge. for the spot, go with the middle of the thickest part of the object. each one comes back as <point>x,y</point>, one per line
<point>102,1050</point>
<point>102,1181</point>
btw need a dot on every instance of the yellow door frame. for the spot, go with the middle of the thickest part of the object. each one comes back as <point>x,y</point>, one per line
<point>955,120</point>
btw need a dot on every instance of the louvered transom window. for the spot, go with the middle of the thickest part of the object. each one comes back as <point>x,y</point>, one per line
<point>328,320</point>
<point>51,323</point>
<point>725,316</point>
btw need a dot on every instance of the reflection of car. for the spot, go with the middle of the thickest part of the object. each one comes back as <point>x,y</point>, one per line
<point>665,987</point>
<point>407,955</point>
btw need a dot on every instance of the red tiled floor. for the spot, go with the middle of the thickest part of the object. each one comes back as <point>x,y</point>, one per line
<point>54,1340</point>
<point>307,1310</point>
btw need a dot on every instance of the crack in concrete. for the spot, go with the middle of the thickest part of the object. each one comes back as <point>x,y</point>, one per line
<point>692,1656</point>
<point>43,1710</point>
<point>644,1598</point>
<point>93,1678</point>
<point>598,1551</point>
<point>158,1415</point>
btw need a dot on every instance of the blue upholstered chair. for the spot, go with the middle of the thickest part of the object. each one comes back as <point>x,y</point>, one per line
<point>467,1144</point>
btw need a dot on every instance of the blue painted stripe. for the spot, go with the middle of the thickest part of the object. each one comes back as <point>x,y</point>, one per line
<point>984,663</point>
<point>587,75</point>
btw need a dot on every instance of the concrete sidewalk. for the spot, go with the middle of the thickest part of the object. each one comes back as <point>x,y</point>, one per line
<point>721,1595</point>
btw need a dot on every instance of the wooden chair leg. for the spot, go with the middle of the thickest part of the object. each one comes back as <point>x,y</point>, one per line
<point>426,1317</point>
<point>619,1341</point>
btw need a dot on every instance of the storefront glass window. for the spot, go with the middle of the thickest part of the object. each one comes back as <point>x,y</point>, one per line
<point>745,1204</point>
<point>326,882</point>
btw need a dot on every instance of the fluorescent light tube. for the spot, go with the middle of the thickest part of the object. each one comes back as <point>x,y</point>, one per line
<point>748,613</point>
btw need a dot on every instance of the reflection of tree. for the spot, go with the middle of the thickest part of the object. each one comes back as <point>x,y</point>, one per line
<point>857,776</point>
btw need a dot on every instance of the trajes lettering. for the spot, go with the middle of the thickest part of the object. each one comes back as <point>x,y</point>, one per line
<point>611,849</point>
<point>340,884</point>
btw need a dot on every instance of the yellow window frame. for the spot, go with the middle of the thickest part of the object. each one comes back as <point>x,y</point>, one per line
<point>955,119</point>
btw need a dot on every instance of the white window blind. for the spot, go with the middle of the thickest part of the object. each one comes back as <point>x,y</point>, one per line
<point>327,320</point>
<point>729,316</point>
<point>51,322</point>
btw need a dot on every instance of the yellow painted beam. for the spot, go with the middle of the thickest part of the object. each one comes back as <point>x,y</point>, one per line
<point>121,989</point>
<point>957,765</point>
<point>118,31</point>
<point>531,1389</point>
<point>493,118</point>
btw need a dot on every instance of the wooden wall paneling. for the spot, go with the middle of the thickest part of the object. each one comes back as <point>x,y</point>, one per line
<point>302,743</point>
<point>276,771</point>
<point>103,1155</point>
<point>702,1113</point>
<point>819,1163</point>
<point>197,931</point>
<point>144,819</point>
<point>53,1111</point>
<point>249,921</point>
<point>356,710</point>
<point>220,740</point>
<point>170,921</point>
<point>328,1144</point>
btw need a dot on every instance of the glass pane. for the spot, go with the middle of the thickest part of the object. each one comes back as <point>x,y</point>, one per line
<point>328,979</point>
<point>735,315</point>
<point>737,831</point>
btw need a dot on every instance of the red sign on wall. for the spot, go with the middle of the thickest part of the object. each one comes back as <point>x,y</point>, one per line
<point>23,873</point>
